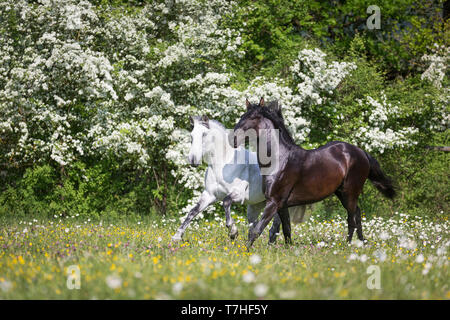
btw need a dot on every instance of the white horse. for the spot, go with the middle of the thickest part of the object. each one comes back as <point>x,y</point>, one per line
<point>229,181</point>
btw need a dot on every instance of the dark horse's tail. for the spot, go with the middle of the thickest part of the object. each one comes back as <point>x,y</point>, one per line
<point>379,179</point>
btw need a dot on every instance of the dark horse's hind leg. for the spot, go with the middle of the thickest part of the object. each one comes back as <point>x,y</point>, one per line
<point>354,214</point>
<point>286,224</point>
<point>284,219</point>
<point>358,224</point>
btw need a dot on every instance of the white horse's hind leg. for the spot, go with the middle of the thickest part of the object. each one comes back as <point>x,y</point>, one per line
<point>298,214</point>
<point>205,200</point>
<point>230,222</point>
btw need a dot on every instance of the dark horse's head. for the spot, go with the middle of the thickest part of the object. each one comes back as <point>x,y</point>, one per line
<point>258,116</point>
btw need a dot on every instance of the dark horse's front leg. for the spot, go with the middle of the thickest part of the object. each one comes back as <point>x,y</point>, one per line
<point>255,231</point>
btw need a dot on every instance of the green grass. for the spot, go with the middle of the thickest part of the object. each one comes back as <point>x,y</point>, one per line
<point>139,261</point>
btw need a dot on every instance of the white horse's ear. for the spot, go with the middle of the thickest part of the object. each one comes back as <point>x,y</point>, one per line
<point>261,102</point>
<point>247,103</point>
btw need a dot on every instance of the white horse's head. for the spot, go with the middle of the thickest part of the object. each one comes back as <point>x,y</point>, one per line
<point>200,130</point>
<point>208,141</point>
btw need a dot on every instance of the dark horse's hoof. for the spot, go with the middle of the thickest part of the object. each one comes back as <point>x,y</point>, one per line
<point>249,244</point>
<point>272,238</point>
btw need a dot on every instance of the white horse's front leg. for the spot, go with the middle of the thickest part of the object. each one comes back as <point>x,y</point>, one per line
<point>205,200</point>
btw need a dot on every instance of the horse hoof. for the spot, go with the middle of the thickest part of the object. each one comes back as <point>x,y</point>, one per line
<point>249,244</point>
<point>176,238</point>
<point>233,235</point>
<point>233,232</point>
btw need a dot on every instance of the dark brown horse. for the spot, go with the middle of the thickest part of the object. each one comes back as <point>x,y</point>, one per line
<point>307,176</point>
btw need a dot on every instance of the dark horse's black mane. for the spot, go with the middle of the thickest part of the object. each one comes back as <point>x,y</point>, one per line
<point>272,112</point>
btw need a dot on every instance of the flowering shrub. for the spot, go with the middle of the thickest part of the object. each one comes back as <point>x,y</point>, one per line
<point>316,78</point>
<point>438,62</point>
<point>377,136</point>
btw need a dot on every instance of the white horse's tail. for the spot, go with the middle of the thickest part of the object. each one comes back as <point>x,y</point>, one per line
<point>298,214</point>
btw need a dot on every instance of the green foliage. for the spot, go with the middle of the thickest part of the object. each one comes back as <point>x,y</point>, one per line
<point>408,30</point>
<point>86,191</point>
<point>270,35</point>
<point>422,177</point>
<point>273,31</point>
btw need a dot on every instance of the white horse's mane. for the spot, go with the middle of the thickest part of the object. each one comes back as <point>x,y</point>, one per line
<point>213,124</point>
<point>217,124</point>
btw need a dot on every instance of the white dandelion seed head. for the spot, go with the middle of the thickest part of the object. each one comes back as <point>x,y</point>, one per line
<point>380,254</point>
<point>420,258</point>
<point>177,287</point>
<point>248,277</point>
<point>5,285</point>
<point>260,290</point>
<point>255,259</point>
<point>114,281</point>
<point>353,256</point>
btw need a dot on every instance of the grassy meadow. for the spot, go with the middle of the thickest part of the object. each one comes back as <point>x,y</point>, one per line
<point>138,260</point>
